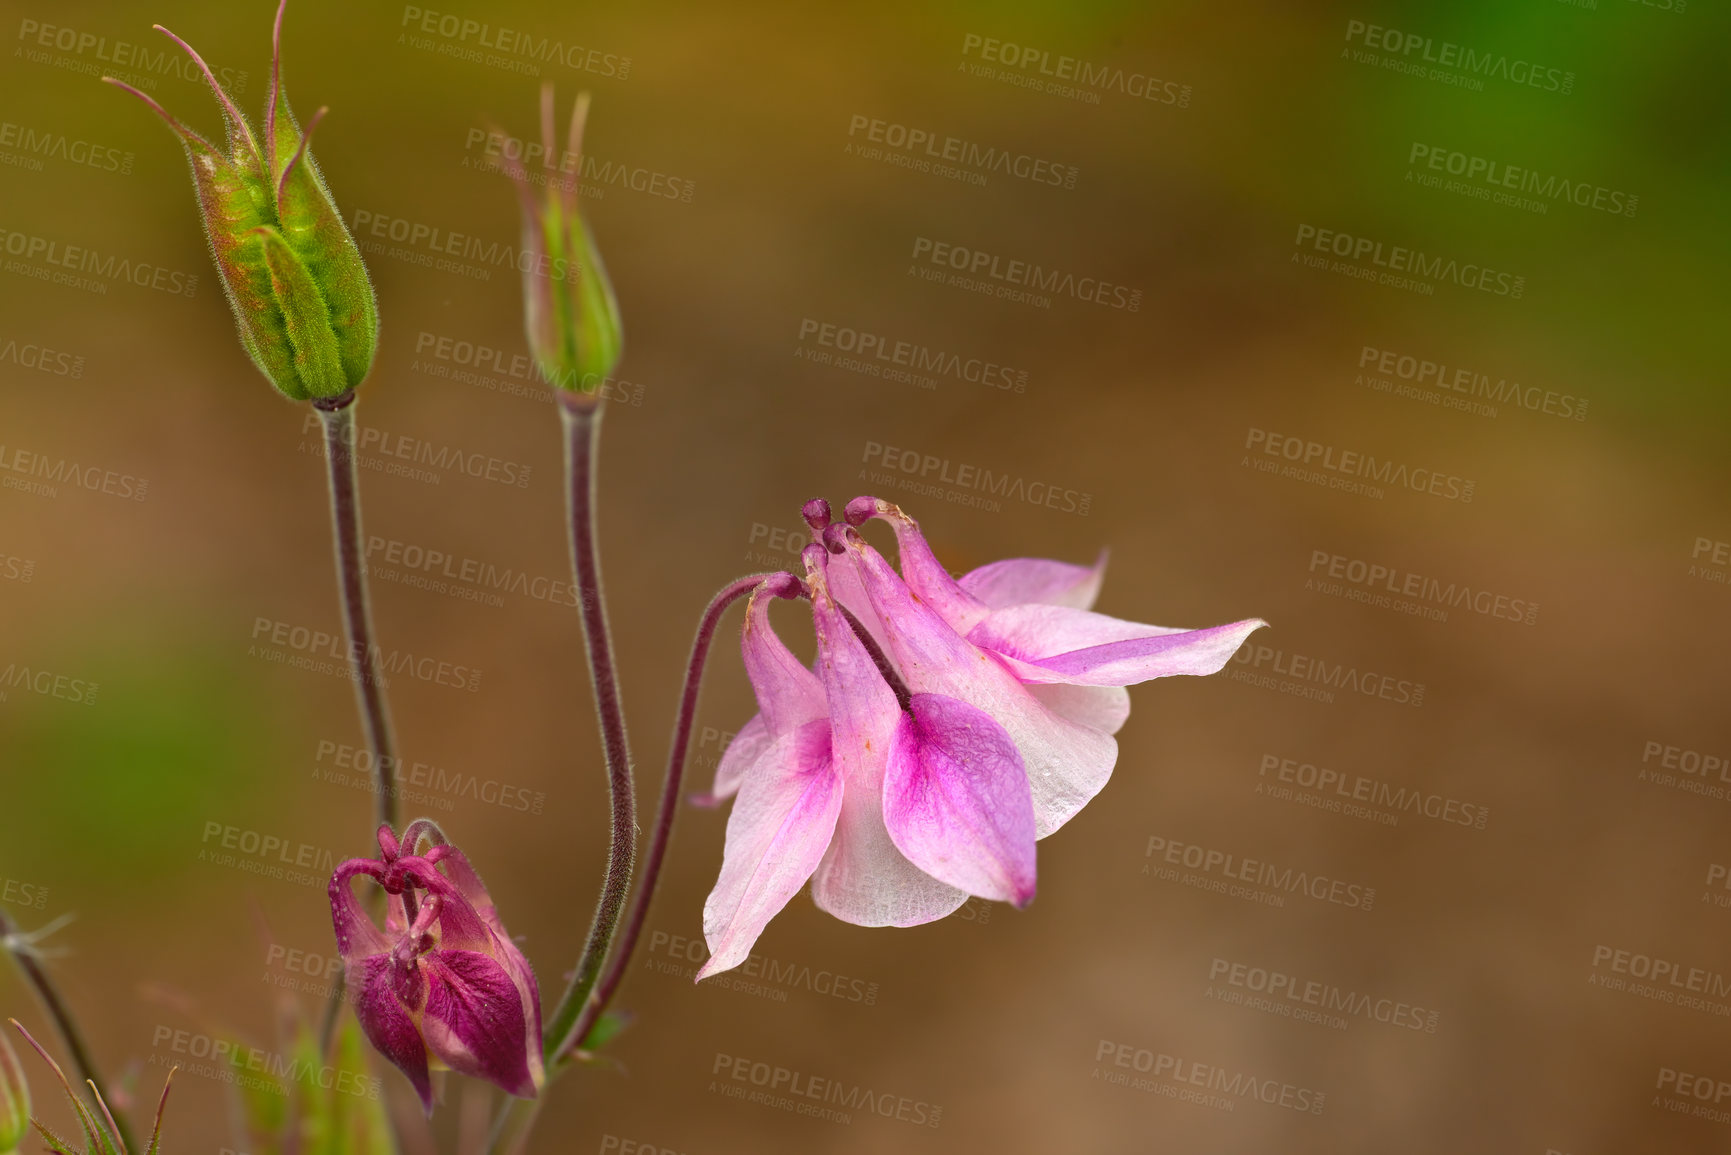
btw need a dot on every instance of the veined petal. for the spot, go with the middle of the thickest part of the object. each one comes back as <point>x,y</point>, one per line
<point>741,754</point>
<point>863,878</point>
<point>1102,708</point>
<point>777,833</point>
<point>1067,763</point>
<point>1055,644</point>
<point>1019,580</point>
<point>387,1024</point>
<point>788,694</point>
<point>956,800</point>
<point>475,1021</point>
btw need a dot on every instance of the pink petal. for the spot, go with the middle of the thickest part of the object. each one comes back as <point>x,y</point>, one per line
<point>1102,708</point>
<point>357,935</point>
<point>788,694</point>
<point>1019,580</point>
<point>956,800</point>
<point>1055,644</point>
<point>921,570</point>
<point>387,1024</point>
<point>1067,763</point>
<point>746,748</point>
<point>474,1021</point>
<point>780,826</point>
<point>863,878</point>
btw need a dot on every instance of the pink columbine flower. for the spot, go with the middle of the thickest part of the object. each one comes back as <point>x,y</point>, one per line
<point>946,727</point>
<point>442,985</point>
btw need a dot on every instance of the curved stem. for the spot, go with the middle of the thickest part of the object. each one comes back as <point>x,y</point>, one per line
<point>70,1036</point>
<point>665,811</point>
<point>582,420</point>
<point>338,418</point>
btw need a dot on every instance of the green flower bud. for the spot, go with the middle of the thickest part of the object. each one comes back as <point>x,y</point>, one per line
<point>14,1100</point>
<point>302,301</point>
<point>570,312</point>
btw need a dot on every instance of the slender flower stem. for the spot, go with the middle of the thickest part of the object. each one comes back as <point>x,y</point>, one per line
<point>337,414</point>
<point>666,810</point>
<point>582,420</point>
<point>73,1039</point>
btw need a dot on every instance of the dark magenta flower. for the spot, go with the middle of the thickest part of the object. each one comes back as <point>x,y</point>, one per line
<point>442,985</point>
<point>947,727</point>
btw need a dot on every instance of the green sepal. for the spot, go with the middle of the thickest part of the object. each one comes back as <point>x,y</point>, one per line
<point>318,362</point>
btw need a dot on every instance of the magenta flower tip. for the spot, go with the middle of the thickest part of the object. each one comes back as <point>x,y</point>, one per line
<point>443,986</point>
<point>816,514</point>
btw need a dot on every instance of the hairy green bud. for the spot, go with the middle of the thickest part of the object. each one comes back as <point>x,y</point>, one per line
<point>302,301</point>
<point>570,312</point>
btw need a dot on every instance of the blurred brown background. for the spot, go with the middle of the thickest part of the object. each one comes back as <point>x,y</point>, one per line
<point>739,215</point>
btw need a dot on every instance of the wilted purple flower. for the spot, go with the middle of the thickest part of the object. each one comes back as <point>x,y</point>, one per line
<point>947,727</point>
<point>442,985</point>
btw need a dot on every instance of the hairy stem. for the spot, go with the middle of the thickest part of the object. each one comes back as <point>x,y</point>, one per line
<point>70,1036</point>
<point>582,421</point>
<point>667,808</point>
<point>338,417</point>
